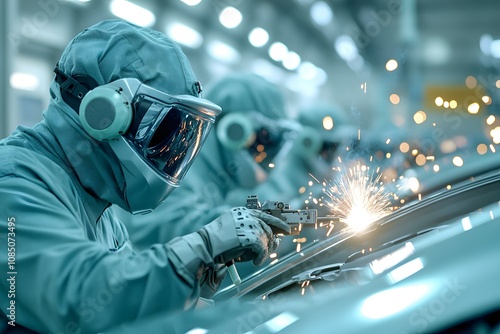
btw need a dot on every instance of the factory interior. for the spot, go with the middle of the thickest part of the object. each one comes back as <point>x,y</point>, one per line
<point>413,93</point>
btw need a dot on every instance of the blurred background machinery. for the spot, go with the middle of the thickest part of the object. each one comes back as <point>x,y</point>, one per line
<point>428,69</point>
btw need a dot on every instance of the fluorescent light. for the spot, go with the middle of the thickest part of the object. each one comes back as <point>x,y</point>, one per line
<point>278,51</point>
<point>321,13</point>
<point>191,2</point>
<point>133,13</point>
<point>436,51</point>
<point>280,322</point>
<point>197,330</point>
<point>466,223</point>
<point>485,44</point>
<point>392,301</point>
<point>311,73</point>
<point>258,37</point>
<point>184,35</point>
<point>300,86</point>
<point>230,17</point>
<point>321,77</point>
<point>307,70</point>
<point>346,48</point>
<point>268,70</point>
<point>24,81</point>
<point>291,61</point>
<point>223,52</point>
<point>385,262</point>
<point>495,48</point>
<point>405,270</point>
<point>356,64</point>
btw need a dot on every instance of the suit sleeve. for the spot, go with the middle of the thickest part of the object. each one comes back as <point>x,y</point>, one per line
<point>64,282</point>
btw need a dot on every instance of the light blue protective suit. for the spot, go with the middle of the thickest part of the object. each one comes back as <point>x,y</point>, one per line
<point>219,178</point>
<point>326,132</point>
<point>75,270</point>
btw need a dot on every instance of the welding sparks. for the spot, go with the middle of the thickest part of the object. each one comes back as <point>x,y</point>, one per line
<point>358,197</point>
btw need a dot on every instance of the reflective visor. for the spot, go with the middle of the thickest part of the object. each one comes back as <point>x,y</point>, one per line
<point>167,136</point>
<point>270,136</point>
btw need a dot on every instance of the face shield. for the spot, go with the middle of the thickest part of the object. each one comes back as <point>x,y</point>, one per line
<point>166,133</point>
<point>262,137</point>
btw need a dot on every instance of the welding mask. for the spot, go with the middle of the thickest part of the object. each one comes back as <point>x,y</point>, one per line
<point>261,136</point>
<point>155,136</point>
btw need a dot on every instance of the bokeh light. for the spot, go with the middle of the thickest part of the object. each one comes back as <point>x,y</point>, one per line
<point>404,147</point>
<point>394,98</point>
<point>391,65</point>
<point>328,123</point>
<point>470,82</point>
<point>458,161</point>
<point>419,117</point>
<point>439,101</point>
<point>482,149</point>
<point>473,108</point>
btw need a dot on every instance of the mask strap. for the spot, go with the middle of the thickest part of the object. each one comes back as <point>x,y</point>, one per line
<point>73,89</point>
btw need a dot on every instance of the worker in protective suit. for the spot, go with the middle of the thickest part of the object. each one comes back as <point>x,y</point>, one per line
<point>123,125</point>
<point>234,163</point>
<point>325,133</point>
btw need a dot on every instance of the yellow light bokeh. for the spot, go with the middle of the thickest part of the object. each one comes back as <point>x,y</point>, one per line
<point>419,117</point>
<point>458,161</point>
<point>404,147</point>
<point>495,135</point>
<point>414,152</point>
<point>420,160</point>
<point>439,101</point>
<point>446,104</point>
<point>482,149</point>
<point>391,65</point>
<point>497,84</point>
<point>448,146</point>
<point>486,99</point>
<point>453,104</point>
<point>435,168</point>
<point>394,98</point>
<point>473,108</point>
<point>328,123</point>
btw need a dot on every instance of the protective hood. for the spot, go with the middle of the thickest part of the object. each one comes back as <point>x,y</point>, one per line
<point>241,93</point>
<point>328,120</point>
<point>106,52</point>
<point>325,129</point>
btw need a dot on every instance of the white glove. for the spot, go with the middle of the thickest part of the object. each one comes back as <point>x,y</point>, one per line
<point>242,234</point>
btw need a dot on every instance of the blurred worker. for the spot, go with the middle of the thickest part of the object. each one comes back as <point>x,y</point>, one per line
<point>233,164</point>
<point>326,132</point>
<point>123,125</point>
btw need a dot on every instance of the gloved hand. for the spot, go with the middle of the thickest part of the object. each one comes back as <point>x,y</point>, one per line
<point>212,279</point>
<point>241,234</point>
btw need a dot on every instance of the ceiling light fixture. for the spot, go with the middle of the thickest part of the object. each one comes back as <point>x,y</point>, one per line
<point>133,13</point>
<point>230,17</point>
<point>258,37</point>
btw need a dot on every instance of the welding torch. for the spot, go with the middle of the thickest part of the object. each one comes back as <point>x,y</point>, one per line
<point>296,219</point>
